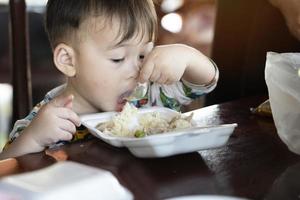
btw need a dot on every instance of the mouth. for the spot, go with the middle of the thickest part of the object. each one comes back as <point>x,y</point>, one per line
<point>122,100</point>
<point>124,97</point>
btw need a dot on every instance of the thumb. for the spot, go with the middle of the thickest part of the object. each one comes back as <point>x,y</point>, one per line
<point>64,101</point>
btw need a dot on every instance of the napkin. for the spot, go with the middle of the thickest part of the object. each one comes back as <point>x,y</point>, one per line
<point>64,180</point>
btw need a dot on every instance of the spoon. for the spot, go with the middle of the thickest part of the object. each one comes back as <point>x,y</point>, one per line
<point>139,92</point>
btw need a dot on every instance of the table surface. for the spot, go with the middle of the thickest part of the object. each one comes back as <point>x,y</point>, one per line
<point>254,163</point>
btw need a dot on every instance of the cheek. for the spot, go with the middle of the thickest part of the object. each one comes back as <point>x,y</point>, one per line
<point>100,81</point>
<point>98,74</point>
<point>103,82</point>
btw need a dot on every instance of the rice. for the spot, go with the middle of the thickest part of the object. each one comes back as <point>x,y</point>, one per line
<point>119,125</point>
<point>129,124</point>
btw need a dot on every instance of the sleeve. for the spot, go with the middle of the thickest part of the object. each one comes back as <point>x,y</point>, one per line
<point>180,93</point>
<point>21,124</point>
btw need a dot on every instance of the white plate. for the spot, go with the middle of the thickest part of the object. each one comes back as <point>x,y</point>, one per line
<point>165,144</point>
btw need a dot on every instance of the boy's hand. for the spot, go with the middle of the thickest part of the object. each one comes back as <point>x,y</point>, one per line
<point>169,63</point>
<point>55,121</point>
<point>165,64</point>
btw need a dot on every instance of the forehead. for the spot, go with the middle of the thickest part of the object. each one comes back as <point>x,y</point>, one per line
<point>107,31</point>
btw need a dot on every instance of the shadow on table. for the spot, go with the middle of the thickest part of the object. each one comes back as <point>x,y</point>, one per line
<point>287,185</point>
<point>155,178</point>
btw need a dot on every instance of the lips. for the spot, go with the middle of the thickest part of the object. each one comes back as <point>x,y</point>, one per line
<point>123,97</point>
<point>122,100</point>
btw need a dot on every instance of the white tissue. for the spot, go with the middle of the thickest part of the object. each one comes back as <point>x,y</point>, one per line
<point>64,180</point>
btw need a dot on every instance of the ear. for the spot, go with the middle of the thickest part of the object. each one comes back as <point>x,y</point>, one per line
<point>64,59</point>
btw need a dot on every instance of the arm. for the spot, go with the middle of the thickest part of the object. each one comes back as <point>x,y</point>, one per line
<point>200,70</point>
<point>170,63</point>
<point>291,12</point>
<point>179,74</point>
<point>20,146</point>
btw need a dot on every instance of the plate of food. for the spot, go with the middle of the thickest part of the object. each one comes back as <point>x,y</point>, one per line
<point>155,131</point>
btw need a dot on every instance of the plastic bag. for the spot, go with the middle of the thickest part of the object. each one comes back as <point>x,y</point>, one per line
<point>283,81</point>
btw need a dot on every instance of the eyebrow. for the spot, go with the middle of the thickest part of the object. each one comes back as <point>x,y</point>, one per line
<point>123,44</point>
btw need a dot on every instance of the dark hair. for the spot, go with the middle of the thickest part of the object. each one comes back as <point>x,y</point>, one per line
<point>64,17</point>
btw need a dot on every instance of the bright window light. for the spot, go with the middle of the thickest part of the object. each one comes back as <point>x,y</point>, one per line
<point>6,93</point>
<point>171,5</point>
<point>29,2</point>
<point>172,22</point>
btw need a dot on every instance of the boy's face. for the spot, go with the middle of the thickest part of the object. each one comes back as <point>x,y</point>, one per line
<point>107,72</point>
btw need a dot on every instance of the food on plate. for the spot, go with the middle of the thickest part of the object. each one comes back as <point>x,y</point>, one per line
<point>129,123</point>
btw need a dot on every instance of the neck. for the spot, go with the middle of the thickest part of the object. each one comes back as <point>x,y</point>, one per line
<point>80,104</point>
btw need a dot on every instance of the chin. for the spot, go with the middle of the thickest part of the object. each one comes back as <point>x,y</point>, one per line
<point>102,107</point>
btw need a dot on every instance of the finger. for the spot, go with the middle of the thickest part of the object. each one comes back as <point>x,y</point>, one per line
<point>68,126</point>
<point>155,76</point>
<point>63,101</point>
<point>146,71</point>
<point>169,82</point>
<point>69,104</point>
<point>69,114</point>
<point>65,135</point>
<point>162,79</point>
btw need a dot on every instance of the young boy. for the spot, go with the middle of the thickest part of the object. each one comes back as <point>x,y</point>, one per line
<point>104,48</point>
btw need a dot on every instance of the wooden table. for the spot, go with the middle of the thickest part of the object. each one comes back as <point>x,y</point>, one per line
<point>253,164</point>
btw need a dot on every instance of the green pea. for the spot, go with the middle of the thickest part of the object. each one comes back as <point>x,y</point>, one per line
<point>139,133</point>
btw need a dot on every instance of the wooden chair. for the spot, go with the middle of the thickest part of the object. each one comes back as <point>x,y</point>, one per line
<point>21,72</point>
<point>244,32</point>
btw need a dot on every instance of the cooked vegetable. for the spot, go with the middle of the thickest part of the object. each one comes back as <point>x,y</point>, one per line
<point>139,133</point>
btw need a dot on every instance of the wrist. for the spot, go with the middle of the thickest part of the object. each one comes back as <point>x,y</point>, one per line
<point>20,146</point>
<point>29,143</point>
<point>209,83</point>
<point>215,76</point>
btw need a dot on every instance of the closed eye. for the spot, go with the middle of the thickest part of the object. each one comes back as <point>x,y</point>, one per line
<point>117,60</point>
